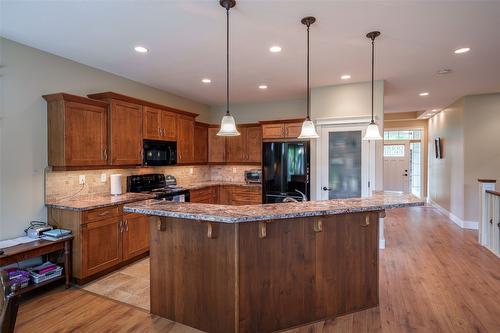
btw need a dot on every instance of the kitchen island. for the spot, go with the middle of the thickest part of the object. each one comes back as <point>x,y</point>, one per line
<point>263,268</point>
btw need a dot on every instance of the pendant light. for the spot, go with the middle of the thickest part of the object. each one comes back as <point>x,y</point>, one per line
<point>372,132</point>
<point>227,125</point>
<point>308,131</point>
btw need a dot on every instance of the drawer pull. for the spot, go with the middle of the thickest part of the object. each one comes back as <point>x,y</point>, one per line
<point>318,225</point>
<point>104,213</point>
<point>367,222</point>
<point>212,229</point>
<point>262,230</point>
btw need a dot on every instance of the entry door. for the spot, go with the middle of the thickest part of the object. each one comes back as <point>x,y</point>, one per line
<point>344,157</point>
<point>396,166</point>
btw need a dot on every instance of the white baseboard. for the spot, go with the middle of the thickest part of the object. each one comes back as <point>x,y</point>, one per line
<point>458,221</point>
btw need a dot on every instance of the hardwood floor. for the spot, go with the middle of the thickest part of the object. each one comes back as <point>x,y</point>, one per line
<point>434,277</point>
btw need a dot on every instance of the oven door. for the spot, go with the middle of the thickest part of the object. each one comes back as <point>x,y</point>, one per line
<point>182,196</point>
<point>158,153</point>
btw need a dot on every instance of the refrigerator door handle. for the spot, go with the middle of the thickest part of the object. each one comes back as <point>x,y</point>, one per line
<point>326,188</point>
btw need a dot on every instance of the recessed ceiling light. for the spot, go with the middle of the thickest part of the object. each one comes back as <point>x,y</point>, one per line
<point>444,71</point>
<point>462,50</point>
<point>429,114</point>
<point>435,110</point>
<point>424,93</point>
<point>345,77</point>
<point>206,80</point>
<point>141,49</point>
<point>262,86</point>
<point>275,49</point>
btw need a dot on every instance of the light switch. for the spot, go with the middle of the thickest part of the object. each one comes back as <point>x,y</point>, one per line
<point>103,177</point>
<point>81,180</point>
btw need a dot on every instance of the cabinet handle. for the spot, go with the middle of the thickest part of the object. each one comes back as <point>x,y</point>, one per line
<point>105,154</point>
<point>163,132</point>
<point>491,221</point>
<point>120,225</point>
<point>104,213</point>
<point>367,222</point>
<point>159,131</point>
<point>126,225</point>
<point>142,154</point>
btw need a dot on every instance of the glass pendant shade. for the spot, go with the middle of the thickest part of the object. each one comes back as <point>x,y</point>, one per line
<point>228,126</point>
<point>372,132</point>
<point>308,130</point>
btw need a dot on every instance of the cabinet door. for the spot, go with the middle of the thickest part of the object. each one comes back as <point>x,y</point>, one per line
<point>168,126</point>
<point>273,131</point>
<point>292,130</point>
<point>254,144</point>
<point>85,134</point>
<point>151,123</point>
<point>185,139</point>
<point>236,147</point>
<point>101,245</point>
<point>201,195</point>
<point>200,143</point>
<point>135,235</point>
<point>216,146</point>
<point>125,133</point>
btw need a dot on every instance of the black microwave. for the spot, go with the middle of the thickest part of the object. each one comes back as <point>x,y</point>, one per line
<point>158,153</point>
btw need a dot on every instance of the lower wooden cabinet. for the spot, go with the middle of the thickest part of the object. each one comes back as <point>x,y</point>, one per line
<point>227,195</point>
<point>104,238</point>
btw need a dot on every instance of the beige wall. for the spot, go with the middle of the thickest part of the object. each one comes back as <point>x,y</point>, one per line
<point>413,124</point>
<point>446,175</point>
<point>481,147</point>
<point>27,74</point>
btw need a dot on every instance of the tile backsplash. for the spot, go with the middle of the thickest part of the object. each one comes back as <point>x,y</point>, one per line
<point>62,184</point>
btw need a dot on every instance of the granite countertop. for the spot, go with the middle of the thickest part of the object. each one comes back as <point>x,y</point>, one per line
<point>93,201</point>
<point>249,213</point>
<point>198,185</point>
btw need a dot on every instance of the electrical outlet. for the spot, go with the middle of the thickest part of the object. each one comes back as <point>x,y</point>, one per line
<point>234,170</point>
<point>103,177</point>
<point>81,180</point>
<point>191,171</point>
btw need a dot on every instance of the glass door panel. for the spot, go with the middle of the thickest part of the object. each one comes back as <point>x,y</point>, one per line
<point>344,164</point>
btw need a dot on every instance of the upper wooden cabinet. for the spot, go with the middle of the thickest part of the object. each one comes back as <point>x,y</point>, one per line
<point>200,142</point>
<point>216,146</point>
<point>159,124</point>
<point>77,131</point>
<point>281,129</point>
<point>185,139</point>
<point>247,147</point>
<point>124,131</point>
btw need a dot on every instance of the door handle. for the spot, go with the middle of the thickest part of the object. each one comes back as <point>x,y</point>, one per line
<point>406,175</point>
<point>326,188</point>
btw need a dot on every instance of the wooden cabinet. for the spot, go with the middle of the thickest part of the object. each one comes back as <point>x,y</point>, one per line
<point>101,245</point>
<point>125,133</point>
<point>185,139</point>
<point>216,146</point>
<point>77,131</point>
<point>159,124</point>
<point>281,129</point>
<point>135,235</point>
<point>227,195</point>
<point>200,142</point>
<point>104,238</point>
<point>207,195</point>
<point>247,147</point>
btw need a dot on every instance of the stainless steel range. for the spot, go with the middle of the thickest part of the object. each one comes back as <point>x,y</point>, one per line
<point>163,187</point>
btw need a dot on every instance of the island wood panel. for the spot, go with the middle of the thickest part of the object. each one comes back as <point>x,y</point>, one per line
<point>125,133</point>
<point>192,276</point>
<point>300,271</point>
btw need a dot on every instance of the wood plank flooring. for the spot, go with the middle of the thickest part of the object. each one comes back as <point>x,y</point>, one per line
<point>434,277</point>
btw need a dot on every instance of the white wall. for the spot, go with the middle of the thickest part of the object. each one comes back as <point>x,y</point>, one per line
<point>26,75</point>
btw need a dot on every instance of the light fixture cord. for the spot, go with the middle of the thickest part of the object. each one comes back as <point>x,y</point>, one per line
<point>373,69</point>
<point>227,60</point>
<point>308,89</point>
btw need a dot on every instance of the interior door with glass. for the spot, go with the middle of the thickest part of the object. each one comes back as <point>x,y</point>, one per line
<point>396,166</point>
<point>343,173</point>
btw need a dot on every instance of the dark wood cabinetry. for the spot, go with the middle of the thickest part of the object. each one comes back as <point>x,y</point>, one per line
<point>216,146</point>
<point>254,144</point>
<point>200,143</point>
<point>185,139</point>
<point>77,131</point>
<point>105,238</point>
<point>281,129</point>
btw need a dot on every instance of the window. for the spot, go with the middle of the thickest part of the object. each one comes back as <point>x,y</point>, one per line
<point>403,135</point>
<point>415,168</point>
<point>394,150</point>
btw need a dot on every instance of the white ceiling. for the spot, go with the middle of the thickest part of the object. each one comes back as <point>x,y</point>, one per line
<point>187,43</point>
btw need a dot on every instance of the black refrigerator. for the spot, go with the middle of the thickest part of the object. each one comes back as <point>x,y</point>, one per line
<point>285,169</point>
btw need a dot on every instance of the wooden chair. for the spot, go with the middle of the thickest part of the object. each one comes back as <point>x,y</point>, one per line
<point>9,303</point>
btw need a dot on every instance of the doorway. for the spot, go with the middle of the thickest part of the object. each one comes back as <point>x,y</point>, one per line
<point>396,166</point>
